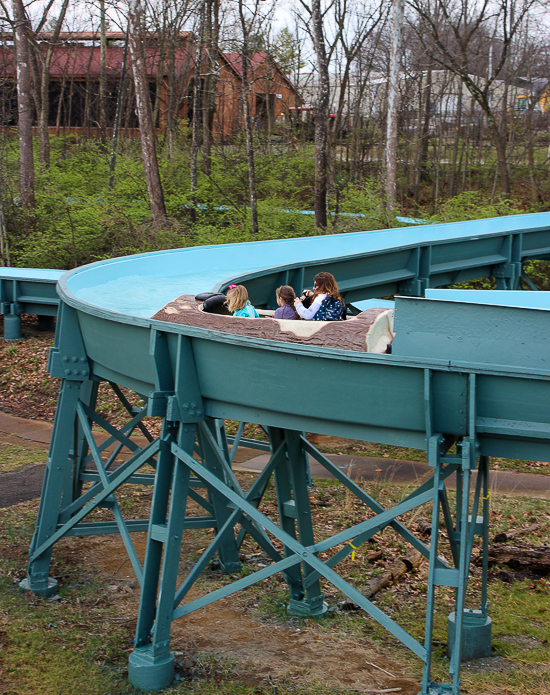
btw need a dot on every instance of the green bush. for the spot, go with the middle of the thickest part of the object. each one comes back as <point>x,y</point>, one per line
<point>79,219</point>
<point>473,205</point>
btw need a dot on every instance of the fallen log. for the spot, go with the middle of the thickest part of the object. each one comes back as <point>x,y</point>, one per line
<point>504,536</point>
<point>373,555</point>
<point>424,526</point>
<point>536,559</point>
<point>395,571</point>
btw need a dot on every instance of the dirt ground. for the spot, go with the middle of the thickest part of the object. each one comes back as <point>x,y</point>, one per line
<point>263,650</point>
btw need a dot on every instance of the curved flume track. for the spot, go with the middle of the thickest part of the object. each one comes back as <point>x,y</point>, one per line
<point>379,398</point>
<point>469,374</point>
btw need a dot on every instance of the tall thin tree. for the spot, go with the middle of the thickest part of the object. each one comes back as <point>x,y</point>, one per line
<point>321,115</point>
<point>398,8</point>
<point>24,104</point>
<point>245,95</point>
<point>136,42</point>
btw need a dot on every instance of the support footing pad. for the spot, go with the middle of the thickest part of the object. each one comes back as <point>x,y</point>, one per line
<point>148,672</point>
<point>44,590</point>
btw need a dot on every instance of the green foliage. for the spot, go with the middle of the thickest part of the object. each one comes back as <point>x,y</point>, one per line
<point>473,205</point>
<point>286,50</point>
<point>366,200</point>
<point>539,274</point>
<point>79,219</point>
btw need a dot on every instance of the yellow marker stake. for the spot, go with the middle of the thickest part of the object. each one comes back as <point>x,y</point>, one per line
<point>353,551</point>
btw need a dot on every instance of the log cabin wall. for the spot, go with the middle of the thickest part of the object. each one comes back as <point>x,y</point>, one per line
<point>74,87</point>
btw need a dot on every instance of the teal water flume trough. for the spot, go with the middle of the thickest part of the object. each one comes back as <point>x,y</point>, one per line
<point>465,381</point>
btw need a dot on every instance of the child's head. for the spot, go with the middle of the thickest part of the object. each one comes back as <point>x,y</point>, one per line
<point>237,297</point>
<point>325,282</point>
<point>285,294</point>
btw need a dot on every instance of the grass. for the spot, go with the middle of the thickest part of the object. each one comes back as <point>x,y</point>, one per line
<point>14,458</point>
<point>80,641</point>
<point>51,644</point>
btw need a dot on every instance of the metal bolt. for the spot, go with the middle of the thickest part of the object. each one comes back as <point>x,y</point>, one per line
<point>65,358</point>
<point>76,372</point>
<point>68,371</point>
<point>83,359</point>
<point>186,406</point>
<point>193,405</point>
<point>75,359</point>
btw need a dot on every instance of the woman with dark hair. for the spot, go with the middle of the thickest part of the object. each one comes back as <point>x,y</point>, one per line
<point>326,302</point>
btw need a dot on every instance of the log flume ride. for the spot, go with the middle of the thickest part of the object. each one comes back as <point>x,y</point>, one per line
<point>468,377</point>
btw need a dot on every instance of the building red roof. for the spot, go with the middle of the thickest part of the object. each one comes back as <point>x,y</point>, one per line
<point>77,60</point>
<point>236,60</point>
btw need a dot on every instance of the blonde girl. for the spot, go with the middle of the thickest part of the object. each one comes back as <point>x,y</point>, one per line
<point>238,303</point>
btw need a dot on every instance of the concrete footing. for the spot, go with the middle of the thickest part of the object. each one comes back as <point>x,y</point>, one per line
<point>148,672</point>
<point>40,589</point>
<point>476,635</point>
<point>12,327</point>
<point>307,608</point>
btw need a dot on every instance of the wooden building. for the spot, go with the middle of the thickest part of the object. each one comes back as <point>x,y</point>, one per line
<point>74,85</point>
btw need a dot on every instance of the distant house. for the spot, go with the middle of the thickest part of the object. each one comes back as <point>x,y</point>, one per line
<point>272,93</point>
<point>75,85</point>
<point>366,96</point>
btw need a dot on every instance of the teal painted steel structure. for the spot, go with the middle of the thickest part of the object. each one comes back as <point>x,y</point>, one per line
<point>484,399</point>
<point>30,291</point>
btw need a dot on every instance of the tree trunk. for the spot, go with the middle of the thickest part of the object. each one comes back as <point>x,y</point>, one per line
<point>500,147</point>
<point>535,194</point>
<point>103,73</point>
<point>145,116</point>
<point>321,117</point>
<point>171,114</point>
<point>393,104</point>
<point>458,125</point>
<point>504,536</point>
<point>211,83</point>
<point>44,63</point>
<point>197,109</point>
<point>423,145</point>
<point>395,571</point>
<point>248,124</point>
<point>24,105</point>
<point>118,113</point>
<point>60,107</point>
<point>4,240</point>
<point>535,559</point>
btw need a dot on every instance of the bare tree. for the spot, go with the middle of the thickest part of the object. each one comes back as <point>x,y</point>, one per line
<point>314,21</point>
<point>398,7</point>
<point>197,120</point>
<point>44,60</point>
<point>211,45</point>
<point>143,106</point>
<point>24,104</point>
<point>246,25</point>
<point>456,31</point>
<point>103,71</point>
<point>355,23</point>
<point>118,113</point>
